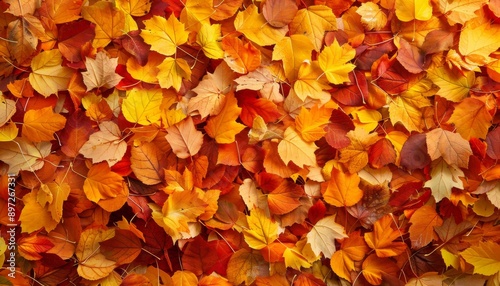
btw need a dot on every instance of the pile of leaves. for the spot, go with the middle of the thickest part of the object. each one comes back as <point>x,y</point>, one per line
<point>275,142</point>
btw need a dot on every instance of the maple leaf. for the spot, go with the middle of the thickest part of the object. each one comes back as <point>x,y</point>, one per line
<point>452,86</point>
<point>374,268</point>
<point>382,238</point>
<point>223,127</point>
<point>172,71</point>
<point>285,198</point>
<point>333,61</point>
<point>255,27</point>
<point>323,234</point>
<point>310,82</point>
<point>54,195</point>
<point>484,257</point>
<point>101,72</point>
<point>207,38</point>
<point>184,139</point>
<point>313,22</point>
<point>356,154</point>
<point>142,106</point>
<point>297,45</point>
<point>34,216</point>
<point>451,146</point>
<point>261,231</point>
<point>471,117</point>
<point>40,125</point>
<point>352,248</point>
<point>444,178</point>
<point>423,221</point>
<point>178,210</point>
<point>109,22</point>
<point>239,56</point>
<point>164,35</point>
<point>105,145</point>
<point>48,76</point>
<point>293,148</point>
<point>343,189</point>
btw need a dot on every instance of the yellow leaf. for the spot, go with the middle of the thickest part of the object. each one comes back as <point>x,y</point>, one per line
<point>208,38</point>
<point>460,11</point>
<point>311,83</point>
<point>184,139</point>
<point>136,8</point>
<point>423,221</point>
<point>172,71</point>
<point>313,22</point>
<point>223,127</point>
<point>142,106</point>
<point>444,177</point>
<point>105,145</point>
<point>21,154</point>
<point>471,118</point>
<point>294,148</point>
<point>407,10</point>
<point>485,257</point>
<point>178,210</point>
<point>261,231</point>
<point>333,61</point>
<point>371,16</point>
<point>367,119</point>
<point>323,234</point>
<point>102,183</point>
<point>297,45</point>
<point>8,132</point>
<point>255,27</point>
<point>310,123</point>
<point>109,21</point>
<point>41,124</point>
<point>184,278</point>
<point>164,35</point>
<point>101,72</point>
<point>452,85</point>
<point>343,189</point>
<point>48,76</point>
<point>93,265</point>
<point>59,193</point>
<point>34,217</point>
<point>454,149</point>
<point>356,154</point>
<point>478,42</point>
<point>197,13</point>
<point>294,259</point>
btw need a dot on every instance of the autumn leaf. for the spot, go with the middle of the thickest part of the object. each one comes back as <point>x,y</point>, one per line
<point>294,148</point>
<point>279,13</point>
<point>48,76</point>
<point>471,117</point>
<point>184,139</point>
<point>343,189</point>
<point>40,125</point>
<point>423,221</point>
<point>484,257</point>
<point>313,22</point>
<point>241,57</point>
<point>478,42</point>
<point>375,268</point>
<point>356,154</point>
<point>21,154</point>
<point>311,83</point>
<point>382,238</point>
<point>147,162</point>
<point>261,231</point>
<point>223,127</point>
<point>34,216</point>
<point>352,248</point>
<point>254,26</point>
<point>413,10</point>
<point>101,72</point>
<point>444,177</point>
<point>372,16</point>
<point>105,145</point>
<point>142,106</point>
<point>93,265</point>
<point>109,22</point>
<point>297,45</point>
<point>333,61</point>
<point>310,124</point>
<point>208,39</point>
<point>246,266</point>
<point>323,234</point>
<point>164,35</point>
<point>285,198</point>
<point>452,86</point>
<point>451,146</point>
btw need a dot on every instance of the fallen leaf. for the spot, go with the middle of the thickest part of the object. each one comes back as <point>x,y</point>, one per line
<point>48,76</point>
<point>454,149</point>
<point>323,234</point>
<point>41,124</point>
<point>105,145</point>
<point>223,127</point>
<point>101,72</point>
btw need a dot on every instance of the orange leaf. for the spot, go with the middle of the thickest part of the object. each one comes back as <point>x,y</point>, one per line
<point>123,248</point>
<point>32,246</point>
<point>375,268</point>
<point>105,145</point>
<point>198,257</point>
<point>223,127</point>
<point>184,139</point>
<point>454,149</point>
<point>311,123</point>
<point>279,13</point>
<point>285,198</point>
<point>41,124</point>
<point>383,236</point>
<point>351,249</point>
<point>240,57</point>
<point>343,189</point>
<point>356,154</point>
<point>246,266</point>
<point>102,183</point>
<point>93,265</point>
<point>423,221</point>
<point>472,118</point>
